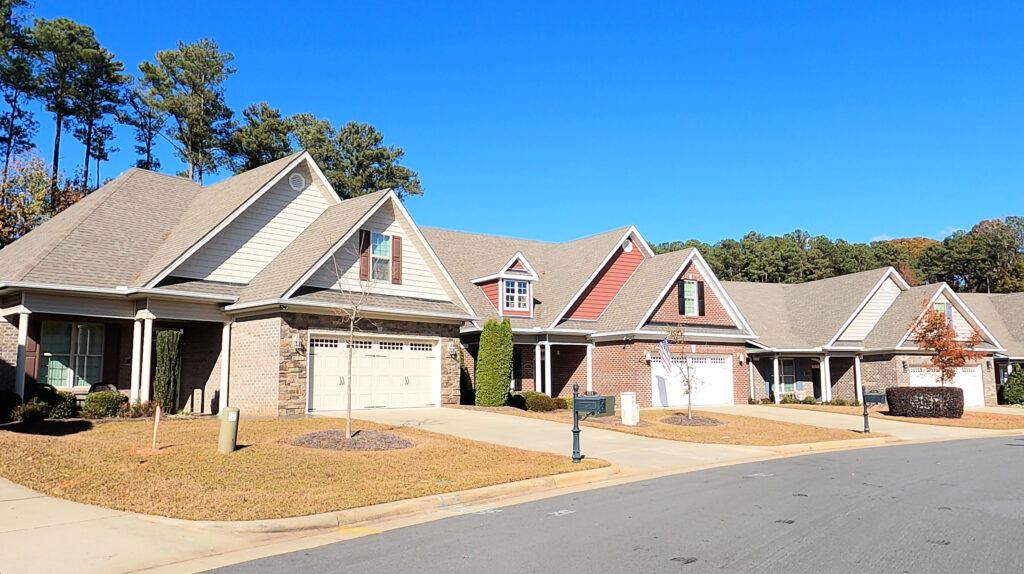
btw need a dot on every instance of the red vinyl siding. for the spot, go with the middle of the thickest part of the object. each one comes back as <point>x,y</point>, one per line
<point>518,265</point>
<point>607,284</point>
<point>491,290</point>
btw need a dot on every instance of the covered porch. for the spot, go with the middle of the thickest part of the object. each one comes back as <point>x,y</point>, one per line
<point>822,376</point>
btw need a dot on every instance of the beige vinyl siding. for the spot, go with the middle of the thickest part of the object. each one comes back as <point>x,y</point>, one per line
<point>186,311</point>
<point>419,279</point>
<point>257,236</point>
<point>868,317</point>
<point>960,323</point>
<point>119,308</point>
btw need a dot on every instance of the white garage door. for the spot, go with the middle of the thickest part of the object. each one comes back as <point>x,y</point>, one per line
<point>389,373</point>
<point>967,378</point>
<point>711,381</point>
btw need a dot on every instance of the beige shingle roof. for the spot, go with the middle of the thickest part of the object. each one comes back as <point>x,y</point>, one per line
<point>640,291</point>
<point>1003,316</point>
<point>104,239</point>
<point>562,268</point>
<point>410,305</point>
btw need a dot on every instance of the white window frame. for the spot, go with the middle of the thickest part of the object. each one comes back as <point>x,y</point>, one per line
<point>521,301</point>
<point>74,355</point>
<point>374,259</point>
<point>687,298</point>
<point>782,376</point>
<point>937,304</point>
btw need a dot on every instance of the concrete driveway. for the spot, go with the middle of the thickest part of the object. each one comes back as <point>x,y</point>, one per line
<point>629,452</point>
<point>899,430</point>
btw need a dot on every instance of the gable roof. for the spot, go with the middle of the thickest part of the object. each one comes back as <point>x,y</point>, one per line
<point>965,311</point>
<point>895,323</point>
<point>106,238</point>
<point>1003,315</point>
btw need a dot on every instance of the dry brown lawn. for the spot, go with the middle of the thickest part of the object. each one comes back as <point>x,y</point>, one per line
<point>268,478</point>
<point>971,419</point>
<point>737,429</point>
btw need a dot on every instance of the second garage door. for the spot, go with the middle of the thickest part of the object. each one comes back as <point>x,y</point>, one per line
<point>712,381</point>
<point>967,378</point>
<point>386,373</point>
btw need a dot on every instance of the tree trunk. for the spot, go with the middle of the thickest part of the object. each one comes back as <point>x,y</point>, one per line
<point>351,347</point>
<point>56,161</point>
<point>10,141</point>
<point>88,155</point>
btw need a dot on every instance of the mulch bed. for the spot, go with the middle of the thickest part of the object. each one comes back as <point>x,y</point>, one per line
<point>361,440</point>
<point>696,421</point>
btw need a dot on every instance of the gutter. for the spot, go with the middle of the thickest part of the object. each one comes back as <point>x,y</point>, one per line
<point>116,291</point>
<point>284,304</point>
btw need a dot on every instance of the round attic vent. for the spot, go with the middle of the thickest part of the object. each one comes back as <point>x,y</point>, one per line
<point>297,182</point>
<point>627,246</point>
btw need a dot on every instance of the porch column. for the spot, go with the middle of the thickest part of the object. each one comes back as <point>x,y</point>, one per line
<point>19,370</point>
<point>538,375</point>
<point>776,387</point>
<point>547,368</point>
<point>750,378</point>
<point>225,366</point>
<point>136,359</point>
<point>145,380</point>
<point>590,368</point>
<point>857,380</point>
<point>826,379</point>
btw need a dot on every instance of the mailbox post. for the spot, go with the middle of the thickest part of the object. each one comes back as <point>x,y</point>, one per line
<point>588,404</point>
<point>576,456</point>
<point>870,399</point>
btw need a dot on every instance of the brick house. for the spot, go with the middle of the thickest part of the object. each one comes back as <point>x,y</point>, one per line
<point>257,272</point>
<point>1003,315</point>
<point>591,312</point>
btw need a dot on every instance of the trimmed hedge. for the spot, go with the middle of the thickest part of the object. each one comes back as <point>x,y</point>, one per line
<point>494,364</point>
<point>540,403</point>
<point>1013,390</point>
<point>518,400</point>
<point>66,406</point>
<point>103,404</point>
<point>33,411</point>
<point>932,402</point>
<point>561,403</point>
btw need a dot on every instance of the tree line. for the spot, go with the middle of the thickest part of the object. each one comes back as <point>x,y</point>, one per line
<point>987,259</point>
<point>178,97</point>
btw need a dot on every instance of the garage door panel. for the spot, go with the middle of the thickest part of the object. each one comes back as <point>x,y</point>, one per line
<point>967,378</point>
<point>386,373</point>
<point>712,381</point>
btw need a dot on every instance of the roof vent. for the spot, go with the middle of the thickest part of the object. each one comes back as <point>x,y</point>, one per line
<point>627,246</point>
<point>297,182</point>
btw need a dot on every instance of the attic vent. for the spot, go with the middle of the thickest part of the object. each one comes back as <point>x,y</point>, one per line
<point>297,182</point>
<point>627,246</point>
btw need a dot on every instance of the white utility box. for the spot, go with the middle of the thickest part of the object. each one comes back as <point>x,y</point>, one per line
<point>629,409</point>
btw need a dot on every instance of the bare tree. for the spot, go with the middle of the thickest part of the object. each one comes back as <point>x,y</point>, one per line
<point>687,370</point>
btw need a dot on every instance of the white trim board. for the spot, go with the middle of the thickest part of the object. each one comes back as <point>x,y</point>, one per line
<point>960,306</point>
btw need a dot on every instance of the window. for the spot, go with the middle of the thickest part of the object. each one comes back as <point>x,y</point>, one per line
<point>71,354</point>
<point>788,376</point>
<point>380,255</point>
<point>391,346</point>
<point>689,298</point>
<point>940,306</point>
<point>517,295</point>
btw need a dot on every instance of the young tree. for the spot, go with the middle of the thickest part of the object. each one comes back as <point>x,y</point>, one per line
<point>263,138</point>
<point>935,334</point>
<point>187,84</point>
<point>17,82</point>
<point>687,370</point>
<point>148,121</point>
<point>97,94</point>
<point>354,158</point>
<point>63,47</point>
<point>494,363</point>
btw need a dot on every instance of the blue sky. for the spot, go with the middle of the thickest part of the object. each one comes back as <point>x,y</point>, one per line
<point>689,120</point>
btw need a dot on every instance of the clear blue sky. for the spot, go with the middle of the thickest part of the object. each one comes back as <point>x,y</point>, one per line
<point>687,119</point>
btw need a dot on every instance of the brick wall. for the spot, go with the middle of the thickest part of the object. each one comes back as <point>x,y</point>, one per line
<point>291,376</point>
<point>200,367</point>
<point>843,377</point>
<point>714,311</point>
<point>8,353</point>
<point>255,365</point>
<point>568,366</point>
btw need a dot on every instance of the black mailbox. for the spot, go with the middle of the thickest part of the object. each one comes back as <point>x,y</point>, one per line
<point>597,405</point>
<point>874,398</point>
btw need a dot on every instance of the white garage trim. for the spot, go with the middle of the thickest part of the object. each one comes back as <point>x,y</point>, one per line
<point>716,389</point>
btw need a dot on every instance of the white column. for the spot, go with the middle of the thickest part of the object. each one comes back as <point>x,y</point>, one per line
<point>547,368</point>
<point>590,368</point>
<point>857,380</point>
<point>225,366</point>
<point>750,377</point>
<point>538,375</point>
<point>136,360</point>
<point>145,380</point>
<point>19,371</point>
<point>776,387</point>
<point>826,380</point>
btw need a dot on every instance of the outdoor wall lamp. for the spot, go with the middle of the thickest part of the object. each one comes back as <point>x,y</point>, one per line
<point>904,366</point>
<point>451,349</point>
<point>988,365</point>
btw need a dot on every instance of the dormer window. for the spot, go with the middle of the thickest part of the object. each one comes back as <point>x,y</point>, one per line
<point>517,295</point>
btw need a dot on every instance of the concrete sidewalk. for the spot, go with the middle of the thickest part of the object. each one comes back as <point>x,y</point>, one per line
<point>898,430</point>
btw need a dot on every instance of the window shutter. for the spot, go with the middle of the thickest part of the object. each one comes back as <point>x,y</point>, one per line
<point>364,255</point>
<point>681,289</point>
<point>949,313</point>
<point>799,385</point>
<point>396,260</point>
<point>700,298</point>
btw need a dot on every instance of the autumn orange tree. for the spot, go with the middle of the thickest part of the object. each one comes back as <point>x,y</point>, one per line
<point>935,334</point>
<point>28,198</point>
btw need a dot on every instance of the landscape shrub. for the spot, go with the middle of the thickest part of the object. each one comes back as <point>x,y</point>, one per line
<point>518,400</point>
<point>494,364</point>
<point>560,403</point>
<point>943,402</point>
<point>838,402</point>
<point>788,400</point>
<point>855,403</point>
<point>767,401</point>
<point>1013,390</point>
<point>103,404</point>
<point>136,410</point>
<point>65,407</point>
<point>540,403</point>
<point>809,401</point>
<point>9,400</point>
<point>33,411</point>
<point>168,370</point>
<point>46,394</point>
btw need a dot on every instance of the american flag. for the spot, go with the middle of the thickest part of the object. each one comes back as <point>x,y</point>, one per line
<point>665,356</point>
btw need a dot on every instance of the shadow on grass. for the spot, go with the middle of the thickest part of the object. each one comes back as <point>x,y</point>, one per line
<point>49,428</point>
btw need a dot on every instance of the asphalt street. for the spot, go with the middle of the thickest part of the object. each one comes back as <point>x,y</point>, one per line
<point>940,507</point>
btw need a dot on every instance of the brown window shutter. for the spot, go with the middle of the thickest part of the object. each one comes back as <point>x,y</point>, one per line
<point>364,255</point>
<point>396,260</point>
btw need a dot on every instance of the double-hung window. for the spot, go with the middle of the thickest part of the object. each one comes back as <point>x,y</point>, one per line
<point>788,376</point>
<point>71,354</point>
<point>380,254</point>
<point>689,298</point>
<point>517,295</point>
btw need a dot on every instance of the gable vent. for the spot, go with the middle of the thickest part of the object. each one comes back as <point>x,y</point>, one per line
<point>297,182</point>
<point>627,246</point>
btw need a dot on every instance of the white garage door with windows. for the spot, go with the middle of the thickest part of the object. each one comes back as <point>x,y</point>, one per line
<point>711,376</point>
<point>967,378</point>
<point>386,373</point>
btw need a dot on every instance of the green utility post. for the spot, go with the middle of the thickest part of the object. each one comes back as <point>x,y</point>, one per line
<point>576,456</point>
<point>227,441</point>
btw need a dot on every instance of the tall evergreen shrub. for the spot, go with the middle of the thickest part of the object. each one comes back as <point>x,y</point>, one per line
<point>168,370</point>
<point>494,364</point>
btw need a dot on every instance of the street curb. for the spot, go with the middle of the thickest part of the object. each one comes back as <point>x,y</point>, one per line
<point>830,445</point>
<point>398,508</point>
